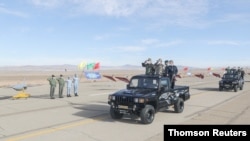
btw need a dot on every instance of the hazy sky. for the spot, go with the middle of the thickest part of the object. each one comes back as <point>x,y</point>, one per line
<point>199,33</point>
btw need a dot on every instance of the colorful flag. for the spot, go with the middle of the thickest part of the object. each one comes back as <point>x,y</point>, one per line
<point>90,66</point>
<point>82,65</point>
<point>185,69</point>
<point>97,66</point>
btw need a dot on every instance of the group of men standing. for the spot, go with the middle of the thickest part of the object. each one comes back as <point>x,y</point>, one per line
<point>240,71</point>
<point>61,82</point>
<point>158,68</point>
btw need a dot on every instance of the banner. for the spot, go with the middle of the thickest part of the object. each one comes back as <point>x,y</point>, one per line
<point>92,75</point>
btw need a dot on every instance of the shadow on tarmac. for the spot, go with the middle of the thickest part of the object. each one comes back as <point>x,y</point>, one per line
<point>87,109</point>
<point>5,97</point>
<point>43,96</point>
<point>104,110</point>
<point>207,89</point>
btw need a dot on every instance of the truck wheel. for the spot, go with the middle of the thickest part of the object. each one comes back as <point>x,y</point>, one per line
<point>235,88</point>
<point>179,105</point>
<point>147,114</point>
<point>114,114</point>
<point>220,88</point>
<point>241,87</point>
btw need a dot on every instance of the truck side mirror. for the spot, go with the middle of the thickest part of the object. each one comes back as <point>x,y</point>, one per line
<point>128,86</point>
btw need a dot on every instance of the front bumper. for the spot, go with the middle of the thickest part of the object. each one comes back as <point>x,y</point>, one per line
<point>126,109</point>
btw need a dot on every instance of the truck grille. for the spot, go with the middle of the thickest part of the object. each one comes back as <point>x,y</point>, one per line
<point>124,100</point>
<point>227,82</point>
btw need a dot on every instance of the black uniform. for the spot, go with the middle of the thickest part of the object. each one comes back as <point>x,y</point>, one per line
<point>171,71</point>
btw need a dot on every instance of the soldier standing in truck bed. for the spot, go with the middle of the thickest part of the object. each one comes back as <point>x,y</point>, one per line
<point>165,68</point>
<point>148,66</point>
<point>172,72</point>
<point>242,73</point>
<point>159,67</point>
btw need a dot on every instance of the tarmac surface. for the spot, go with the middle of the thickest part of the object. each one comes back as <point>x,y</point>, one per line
<point>86,117</point>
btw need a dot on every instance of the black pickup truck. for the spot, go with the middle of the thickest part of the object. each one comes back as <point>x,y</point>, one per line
<point>231,81</point>
<point>145,95</point>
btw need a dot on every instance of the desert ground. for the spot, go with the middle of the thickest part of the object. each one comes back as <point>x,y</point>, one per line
<point>37,75</point>
<point>86,117</point>
<point>18,75</point>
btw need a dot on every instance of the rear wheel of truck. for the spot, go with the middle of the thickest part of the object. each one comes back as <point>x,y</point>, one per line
<point>115,114</point>
<point>241,87</point>
<point>147,114</point>
<point>179,105</point>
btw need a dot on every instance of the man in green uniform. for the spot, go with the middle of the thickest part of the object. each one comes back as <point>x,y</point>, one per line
<point>52,83</point>
<point>159,67</point>
<point>149,67</point>
<point>61,83</point>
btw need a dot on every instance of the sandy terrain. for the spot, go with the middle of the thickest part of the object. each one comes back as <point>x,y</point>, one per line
<point>14,76</point>
<point>87,116</point>
<point>33,76</point>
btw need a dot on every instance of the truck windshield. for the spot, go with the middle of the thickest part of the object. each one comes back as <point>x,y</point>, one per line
<point>144,83</point>
<point>230,76</point>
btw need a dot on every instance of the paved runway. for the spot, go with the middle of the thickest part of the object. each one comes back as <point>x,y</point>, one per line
<point>86,117</point>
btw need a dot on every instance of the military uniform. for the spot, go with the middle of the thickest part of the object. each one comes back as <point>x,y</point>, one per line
<point>228,70</point>
<point>172,71</point>
<point>149,67</point>
<point>61,83</point>
<point>165,68</point>
<point>159,67</point>
<point>52,82</point>
<point>242,73</point>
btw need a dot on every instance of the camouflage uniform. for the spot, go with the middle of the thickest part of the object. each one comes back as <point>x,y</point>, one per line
<point>159,67</point>
<point>149,66</point>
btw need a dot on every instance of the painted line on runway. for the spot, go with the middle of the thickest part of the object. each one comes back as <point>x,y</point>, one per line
<point>59,128</point>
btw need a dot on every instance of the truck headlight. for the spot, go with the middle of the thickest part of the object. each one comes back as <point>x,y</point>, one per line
<point>177,94</point>
<point>111,97</point>
<point>139,100</point>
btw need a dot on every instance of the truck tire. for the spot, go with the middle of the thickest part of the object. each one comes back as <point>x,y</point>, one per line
<point>179,105</point>
<point>114,114</point>
<point>220,88</point>
<point>147,114</point>
<point>235,88</point>
<point>241,87</point>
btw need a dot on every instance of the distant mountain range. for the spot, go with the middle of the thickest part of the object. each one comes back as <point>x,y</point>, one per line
<point>73,67</point>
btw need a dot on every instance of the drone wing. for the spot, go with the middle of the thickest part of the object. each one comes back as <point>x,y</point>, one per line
<point>124,79</point>
<point>109,77</point>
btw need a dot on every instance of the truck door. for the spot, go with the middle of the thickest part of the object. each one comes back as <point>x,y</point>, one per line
<point>163,92</point>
